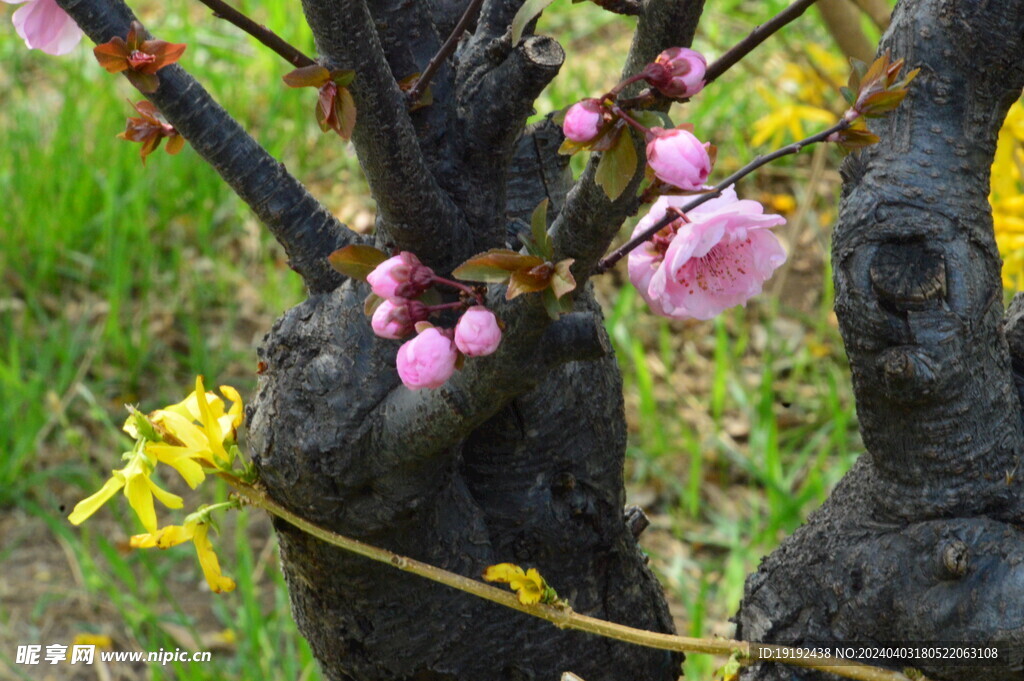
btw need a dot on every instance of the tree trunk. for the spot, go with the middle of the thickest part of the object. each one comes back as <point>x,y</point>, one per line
<point>921,540</point>
<point>520,457</point>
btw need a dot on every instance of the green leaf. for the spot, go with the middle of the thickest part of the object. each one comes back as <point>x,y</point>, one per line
<point>653,119</point>
<point>371,304</point>
<point>570,147</point>
<point>343,77</point>
<point>495,266</point>
<point>313,75</point>
<point>562,281</point>
<point>617,166</point>
<point>539,229</point>
<point>356,261</point>
<point>529,10</point>
<point>555,307</point>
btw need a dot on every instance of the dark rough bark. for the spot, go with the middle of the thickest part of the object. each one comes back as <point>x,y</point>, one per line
<point>517,458</point>
<point>921,540</point>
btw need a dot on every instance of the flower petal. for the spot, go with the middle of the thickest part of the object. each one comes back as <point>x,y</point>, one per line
<point>86,507</point>
<point>209,563</point>
<point>181,460</point>
<point>503,573</point>
<point>140,498</point>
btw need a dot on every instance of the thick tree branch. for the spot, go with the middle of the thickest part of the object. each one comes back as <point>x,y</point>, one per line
<point>585,228</point>
<point>305,228</point>
<point>494,109</point>
<point>414,212</point>
<point>917,271</point>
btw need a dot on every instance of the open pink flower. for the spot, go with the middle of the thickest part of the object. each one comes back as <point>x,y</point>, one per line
<point>45,26</point>
<point>477,333</point>
<point>426,361</point>
<point>677,157</point>
<point>720,258</point>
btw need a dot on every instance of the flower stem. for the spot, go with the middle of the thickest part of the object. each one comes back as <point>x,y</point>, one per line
<point>613,94</point>
<point>275,42</point>
<point>449,45</point>
<point>445,306</point>
<point>755,38</point>
<point>563,616</point>
<point>459,286</point>
<point>609,260</point>
<point>631,121</point>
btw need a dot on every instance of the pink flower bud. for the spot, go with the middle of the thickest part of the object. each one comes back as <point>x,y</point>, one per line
<point>477,332</point>
<point>426,361</point>
<point>679,158</point>
<point>43,25</point>
<point>584,120</point>
<point>678,72</point>
<point>395,317</point>
<point>402,276</point>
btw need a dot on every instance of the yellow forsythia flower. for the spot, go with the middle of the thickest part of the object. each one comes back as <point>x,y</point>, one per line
<point>98,640</point>
<point>198,431</point>
<point>139,489</point>
<point>529,586</point>
<point>1006,197</point>
<point>196,530</point>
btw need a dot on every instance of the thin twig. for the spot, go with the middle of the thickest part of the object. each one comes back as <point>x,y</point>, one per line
<point>609,260</point>
<point>563,616</point>
<point>756,37</point>
<point>446,49</point>
<point>275,42</point>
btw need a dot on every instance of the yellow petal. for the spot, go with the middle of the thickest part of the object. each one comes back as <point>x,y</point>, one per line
<point>165,537</point>
<point>86,507</point>
<point>503,573</point>
<point>529,587</point>
<point>141,500</point>
<point>166,498</point>
<point>236,412</point>
<point>209,563</point>
<point>213,431</point>
<point>180,459</point>
<point>98,640</point>
<point>183,430</point>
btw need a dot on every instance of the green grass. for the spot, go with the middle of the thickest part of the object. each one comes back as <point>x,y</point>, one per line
<point>120,283</point>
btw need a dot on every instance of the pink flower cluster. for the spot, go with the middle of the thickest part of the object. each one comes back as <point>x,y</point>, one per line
<point>676,156</point>
<point>719,256</point>
<point>430,358</point>
<point>45,26</point>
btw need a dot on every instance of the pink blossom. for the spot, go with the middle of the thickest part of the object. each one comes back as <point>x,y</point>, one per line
<point>395,317</point>
<point>583,121</point>
<point>677,157</point>
<point>426,361</point>
<point>477,332</point>
<point>678,72</point>
<point>45,26</point>
<point>402,276</point>
<point>720,258</point>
